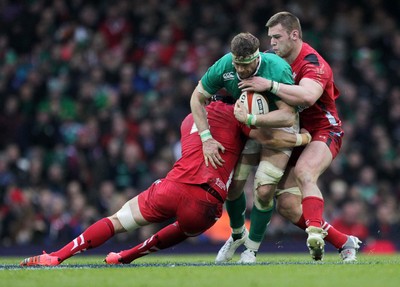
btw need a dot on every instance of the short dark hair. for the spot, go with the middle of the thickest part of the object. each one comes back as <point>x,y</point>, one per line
<point>288,21</point>
<point>244,45</point>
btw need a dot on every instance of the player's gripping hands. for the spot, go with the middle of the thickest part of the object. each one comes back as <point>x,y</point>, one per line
<point>211,149</point>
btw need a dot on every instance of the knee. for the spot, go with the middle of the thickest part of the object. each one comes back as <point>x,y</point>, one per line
<point>118,228</point>
<point>264,197</point>
<point>265,193</point>
<point>289,206</point>
<point>123,219</point>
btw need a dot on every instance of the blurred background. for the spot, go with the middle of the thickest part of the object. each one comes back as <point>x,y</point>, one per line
<point>92,94</point>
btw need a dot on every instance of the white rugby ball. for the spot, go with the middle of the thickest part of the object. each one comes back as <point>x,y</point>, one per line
<point>255,103</point>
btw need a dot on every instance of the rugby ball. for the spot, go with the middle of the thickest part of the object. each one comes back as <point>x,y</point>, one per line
<point>254,102</point>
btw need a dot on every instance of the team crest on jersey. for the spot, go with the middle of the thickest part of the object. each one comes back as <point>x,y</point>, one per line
<point>220,183</point>
<point>228,76</point>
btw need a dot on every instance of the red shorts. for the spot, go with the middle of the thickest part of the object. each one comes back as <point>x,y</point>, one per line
<point>194,208</point>
<point>332,138</point>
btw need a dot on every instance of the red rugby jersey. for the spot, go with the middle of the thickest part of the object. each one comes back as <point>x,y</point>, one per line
<point>323,114</point>
<point>224,127</point>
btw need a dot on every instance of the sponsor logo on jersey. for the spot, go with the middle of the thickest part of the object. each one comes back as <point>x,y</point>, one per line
<point>228,76</point>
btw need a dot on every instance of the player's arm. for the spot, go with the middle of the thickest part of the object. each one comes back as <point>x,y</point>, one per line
<point>211,147</point>
<point>197,105</point>
<point>306,93</point>
<point>284,116</point>
<point>275,138</point>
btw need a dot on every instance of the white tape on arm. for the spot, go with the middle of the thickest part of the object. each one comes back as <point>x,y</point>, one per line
<point>200,89</point>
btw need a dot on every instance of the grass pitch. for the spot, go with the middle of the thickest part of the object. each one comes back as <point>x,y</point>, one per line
<point>199,270</point>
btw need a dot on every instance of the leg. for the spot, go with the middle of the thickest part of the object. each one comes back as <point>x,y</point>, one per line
<point>94,236</point>
<point>289,206</point>
<point>165,238</point>
<point>269,173</point>
<point>313,161</point>
<point>236,202</point>
<point>195,211</point>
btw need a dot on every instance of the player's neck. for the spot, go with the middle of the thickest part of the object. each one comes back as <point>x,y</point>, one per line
<point>295,53</point>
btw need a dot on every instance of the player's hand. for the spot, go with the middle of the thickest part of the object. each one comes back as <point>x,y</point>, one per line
<point>211,149</point>
<point>256,84</point>
<point>240,112</point>
<point>307,133</point>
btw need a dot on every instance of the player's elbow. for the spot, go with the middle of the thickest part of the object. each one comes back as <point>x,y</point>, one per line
<point>198,98</point>
<point>309,97</point>
<point>308,101</point>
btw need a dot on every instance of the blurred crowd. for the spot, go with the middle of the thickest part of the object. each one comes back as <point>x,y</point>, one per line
<point>92,94</point>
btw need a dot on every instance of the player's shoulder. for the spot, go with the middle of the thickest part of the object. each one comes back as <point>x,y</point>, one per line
<point>271,60</point>
<point>310,55</point>
<point>272,57</point>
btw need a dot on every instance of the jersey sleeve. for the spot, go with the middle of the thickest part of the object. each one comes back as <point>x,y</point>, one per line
<point>316,70</point>
<point>212,80</point>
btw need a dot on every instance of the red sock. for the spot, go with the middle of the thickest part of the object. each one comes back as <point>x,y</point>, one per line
<point>301,223</point>
<point>313,208</point>
<point>166,237</point>
<point>95,235</point>
<point>334,237</point>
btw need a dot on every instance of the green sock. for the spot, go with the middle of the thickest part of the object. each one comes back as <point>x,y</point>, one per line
<point>259,220</point>
<point>236,211</point>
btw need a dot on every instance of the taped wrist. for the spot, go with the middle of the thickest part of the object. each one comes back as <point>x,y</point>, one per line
<point>251,120</point>
<point>205,135</point>
<point>274,87</point>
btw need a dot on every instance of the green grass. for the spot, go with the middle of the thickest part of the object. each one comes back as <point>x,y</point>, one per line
<point>198,270</point>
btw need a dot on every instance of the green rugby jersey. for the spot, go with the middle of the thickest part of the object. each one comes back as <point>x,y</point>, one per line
<point>223,75</point>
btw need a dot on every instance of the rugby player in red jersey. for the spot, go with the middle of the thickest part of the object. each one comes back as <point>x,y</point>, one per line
<point>192,192</point>
<point>299,198</point>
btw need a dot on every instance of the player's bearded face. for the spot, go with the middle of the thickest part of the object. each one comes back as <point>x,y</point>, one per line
<point>246,70</point>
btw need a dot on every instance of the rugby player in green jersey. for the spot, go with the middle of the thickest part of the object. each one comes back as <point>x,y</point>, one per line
<point>245,61</point>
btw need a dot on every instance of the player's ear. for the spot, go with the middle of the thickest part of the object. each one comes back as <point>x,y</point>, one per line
<point>294,35</point>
